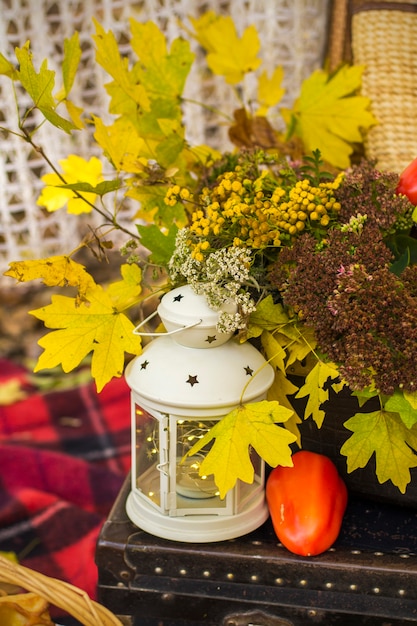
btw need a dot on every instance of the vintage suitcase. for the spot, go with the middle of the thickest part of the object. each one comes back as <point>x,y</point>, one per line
<point>369,577</point>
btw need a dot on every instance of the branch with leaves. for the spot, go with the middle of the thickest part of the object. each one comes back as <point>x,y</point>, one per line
<point>149,162</point>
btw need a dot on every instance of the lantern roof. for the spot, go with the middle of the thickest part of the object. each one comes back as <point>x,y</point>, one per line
<point>173,377</point>
<point>194,367</point>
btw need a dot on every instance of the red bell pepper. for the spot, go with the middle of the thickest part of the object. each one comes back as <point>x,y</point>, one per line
<point>407,184</point>
<point>307,503</point>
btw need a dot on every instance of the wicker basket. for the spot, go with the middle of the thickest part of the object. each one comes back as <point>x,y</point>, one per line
<point>72,600</point>
<point>382,36</point>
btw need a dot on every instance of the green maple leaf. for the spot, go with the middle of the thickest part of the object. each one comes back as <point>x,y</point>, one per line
<point>98,326</point>
<point>161,245</point>
<point>252,425</point>
<point>163,117</point>
<point>70,62</point>
<point>153,207</point>
<point>329,115</point>
<point>404,405</point>
<point>384,434</point>
<point>39,86</point>
<point>313,389</point>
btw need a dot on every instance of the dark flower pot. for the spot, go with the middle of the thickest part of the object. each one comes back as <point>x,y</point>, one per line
<point>331,436</point>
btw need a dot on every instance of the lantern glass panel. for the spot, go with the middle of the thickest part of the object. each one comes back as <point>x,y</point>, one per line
<point>193,490</point>
<point>148,455</point>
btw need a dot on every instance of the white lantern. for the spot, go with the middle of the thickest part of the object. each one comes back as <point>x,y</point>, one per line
<point>182,383</point>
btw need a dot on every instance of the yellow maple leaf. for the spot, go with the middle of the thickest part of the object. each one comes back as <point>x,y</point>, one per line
<point>270,90</point>
<point>329,115</point>
<point>302,344</point>
<point>54,271</point>
<point>251,425</point>
<point>274,351</point>
<point>126,291</point>
<point>121,144</point>
<point>313,388</point>
<point>126,93</point>
<point>75,113</point>
<point>384,434</point>
<point>228,55</point>
<point>75,169</point>
<point>98,326</point>
<point>201,27</point>
<point>279,391</point>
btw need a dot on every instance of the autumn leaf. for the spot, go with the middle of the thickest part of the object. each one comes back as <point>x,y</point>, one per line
<point>251,425</point>
<point>54,271</point>
<point>250,131</point>
<point>126,291</point>
<point>39,86</point>
<point>329,115</point>
<point>127,94</point>
<point>384,434</point>
<point>75,113</point>
<point>70,62</point>
<point>314,389</point>
<point>98,326</point>
<point>7,68</point>
<point>162,72</point>
<point>279,391</point>
<point>74,169</point>
<point>270,90</point>
<point>274,351</point>
<point>121,144</point>
<point>228,55</point>
<point>302,344</point>
<point>267,316</point>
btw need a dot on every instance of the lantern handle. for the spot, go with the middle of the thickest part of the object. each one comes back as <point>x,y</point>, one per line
<point>171,332</point>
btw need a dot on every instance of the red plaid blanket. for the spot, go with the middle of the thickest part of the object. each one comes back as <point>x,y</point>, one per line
<point>63,458</point>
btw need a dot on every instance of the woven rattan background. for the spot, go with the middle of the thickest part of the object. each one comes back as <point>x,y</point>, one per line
<point>293,34</point>
<point>385,42</point>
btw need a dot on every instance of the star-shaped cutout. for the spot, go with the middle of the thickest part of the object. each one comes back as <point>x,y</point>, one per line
<point>211,338</point>
<point>192,380</point>
<point>178,298</point>
<point>144,365</point>
<point>248,370</point>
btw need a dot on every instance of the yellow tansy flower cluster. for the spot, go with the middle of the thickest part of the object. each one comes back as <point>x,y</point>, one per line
<point>259,213</point>
<point>175,194</point>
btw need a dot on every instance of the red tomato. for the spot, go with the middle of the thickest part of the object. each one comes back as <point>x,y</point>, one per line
<point>408,182</point>
<point>307,503</point>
